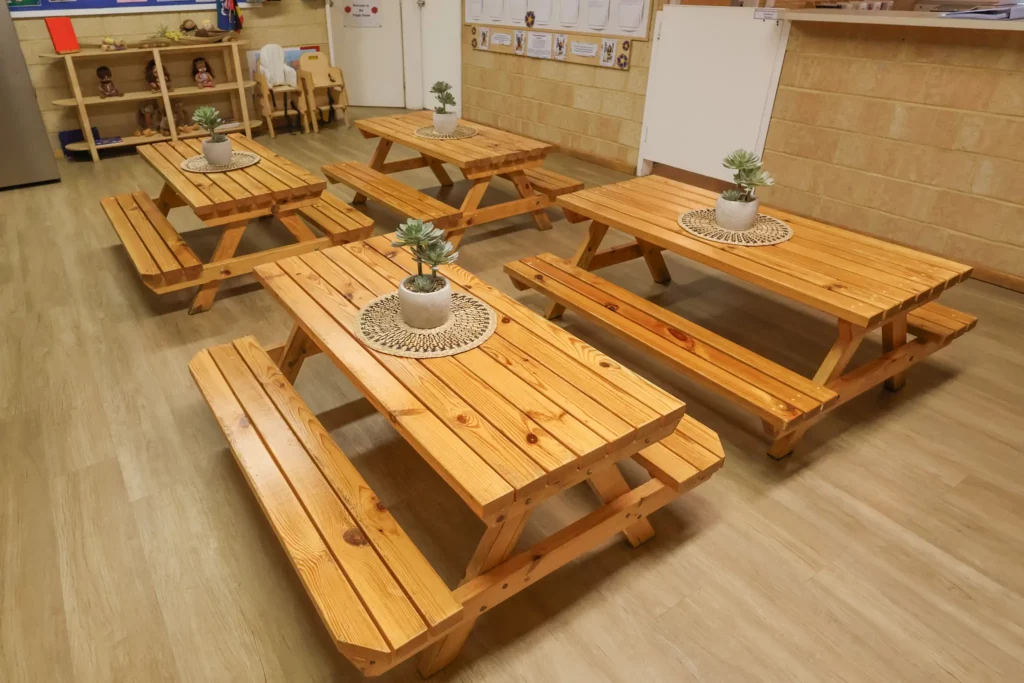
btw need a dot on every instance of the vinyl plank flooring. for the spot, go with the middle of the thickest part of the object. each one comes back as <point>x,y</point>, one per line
<point>888,548</point>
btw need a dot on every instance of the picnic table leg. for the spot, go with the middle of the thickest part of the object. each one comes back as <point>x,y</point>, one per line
<point>225,249</point>
<point>894,335</point>
<point>294,352</point>
<point>655,262</point>
<point>438,168</point>
<point>297,227</point>
<point>168,199</point>
<point>584,255</point>
<point>838,357</point>
<point>474,196</point>
<point>376,163</point>
<point>525,189</point>
<point>608,483</point>
<point>498,543</point>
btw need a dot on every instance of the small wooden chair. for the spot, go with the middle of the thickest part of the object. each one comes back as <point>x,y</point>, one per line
<point>316,75</point>
<point>273,101</point>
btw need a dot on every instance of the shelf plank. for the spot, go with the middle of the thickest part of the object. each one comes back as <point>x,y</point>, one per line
<point>137,50</point>
<point>133,140</point>
<point>188,91</point>
<point>895,18</point>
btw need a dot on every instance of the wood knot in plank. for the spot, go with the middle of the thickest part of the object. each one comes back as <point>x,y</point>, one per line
<point>381,507</point>
<point>355,537</point>
<point>531,438</point>
<point>505,319</point>
<point>462,419</point>
<point>612,307</point>
<point>682,336</point>
<point>605,364</point>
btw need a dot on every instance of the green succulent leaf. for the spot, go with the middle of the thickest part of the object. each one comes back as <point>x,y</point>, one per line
<point>442,92</point>
<point>209,120</point>
<point>748,176</point>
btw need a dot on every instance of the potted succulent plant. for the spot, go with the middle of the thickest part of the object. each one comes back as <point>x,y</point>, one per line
<point>217,149</point>
<point>425,298</point>
<point>737,208</point>
<point>444,121</point>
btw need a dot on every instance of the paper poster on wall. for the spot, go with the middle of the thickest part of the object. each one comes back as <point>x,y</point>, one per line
<point>561,42</point>
<point>538,45</point>
<point>520,46</point>
<point>501,39</point>
<point>495,8</point>
<point>541,11</point>
<point>597,13</point>
<point>570,13</point>
<point>630,14</point>
<point>608,51</point>
<point>475,8</point>
<point>517,11</point>
<point>362,14</point>
<point>581,49</point>
<point>485,35</point>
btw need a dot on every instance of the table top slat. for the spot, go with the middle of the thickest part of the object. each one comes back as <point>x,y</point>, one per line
<point>491,445</point>
<point>489,148</point>
<point>313,182</point>
<point>173,175</point>
<point>253,187</point>
<point>821,275</point>
<point>239,195</point>
<point>476,483</point>
<point>665,232</point>
<point>523,427</point>
<point>615,387</point>
<point>218,196</point>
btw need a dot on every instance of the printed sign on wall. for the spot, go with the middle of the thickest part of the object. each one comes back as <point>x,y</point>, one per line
<point>362,14</point>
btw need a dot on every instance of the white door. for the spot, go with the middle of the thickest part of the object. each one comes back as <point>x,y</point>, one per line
<point>441,32</point>
<point>369,51</point>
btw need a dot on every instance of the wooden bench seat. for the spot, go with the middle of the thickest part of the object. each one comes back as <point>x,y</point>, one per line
<point>685,458</point>
<point>779,396</point>
<point>341,222</point>
<point>377,595</point>
<point>160,255</point>
<point>935,322</point>
<point>400,197</point>
<point>547,182</point>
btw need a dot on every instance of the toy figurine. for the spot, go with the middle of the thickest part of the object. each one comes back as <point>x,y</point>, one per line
<point>151,77</point>
<point>110,45</point>
<point>149,119</point>
<point>202,73</point>
<point>107,87</point>
<point>188,27</point>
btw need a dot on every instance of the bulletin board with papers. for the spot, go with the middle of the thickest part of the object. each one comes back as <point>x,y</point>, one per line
<point>611,18</point>
<point>611,52</point>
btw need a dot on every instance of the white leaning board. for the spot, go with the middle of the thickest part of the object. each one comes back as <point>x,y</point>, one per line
<point>711,88</point>
<point>512,13</point>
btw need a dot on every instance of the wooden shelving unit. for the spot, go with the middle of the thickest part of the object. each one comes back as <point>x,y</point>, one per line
<point>236,87</point>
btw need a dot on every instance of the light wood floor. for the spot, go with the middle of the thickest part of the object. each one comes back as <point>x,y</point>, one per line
<point>889,548</point>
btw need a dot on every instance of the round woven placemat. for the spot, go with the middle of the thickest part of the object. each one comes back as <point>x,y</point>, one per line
<point>199,164</point>
<point>460,133</point>
<point>766,231</point>
<point>380,327</point>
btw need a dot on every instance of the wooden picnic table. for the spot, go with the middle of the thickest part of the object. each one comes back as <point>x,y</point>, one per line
<point>489,154</point>
<point>525,416</point>
<point>863,282</point>
<point>227,201</point>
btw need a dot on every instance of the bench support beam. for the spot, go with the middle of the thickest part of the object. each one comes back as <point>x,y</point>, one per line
<point>226,247</point>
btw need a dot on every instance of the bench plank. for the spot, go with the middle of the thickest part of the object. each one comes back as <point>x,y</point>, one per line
<point>342,222</point>
<point>380,593</point>
<point>144,263</point>
<point>190,263</point>
<point>936,322</point>
<point>160,255</point>
<point>681,462</point>
<point>779,396</point>
<point>351,628</point>
<point>394,194</point>
<point>550,183</point>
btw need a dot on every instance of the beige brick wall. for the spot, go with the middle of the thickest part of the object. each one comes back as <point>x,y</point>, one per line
<point>590,111</point>
<point>915,135</point>
<point>288,23</point>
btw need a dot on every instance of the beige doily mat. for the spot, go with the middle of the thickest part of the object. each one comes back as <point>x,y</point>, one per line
<point>380,327</point>
<point>766,231</point>
<point>199,164</point>
<point>460,133</point>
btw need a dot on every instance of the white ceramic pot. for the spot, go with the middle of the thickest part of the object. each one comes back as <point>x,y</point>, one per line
<point>217,153</point>
<point>425,311</point>
<point>446,123</point>
<point>736,216</point>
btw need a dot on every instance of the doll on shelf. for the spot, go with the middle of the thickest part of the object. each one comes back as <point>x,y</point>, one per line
<point>153,80</point>
<point>202,73</point>
<point>107,87</point>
